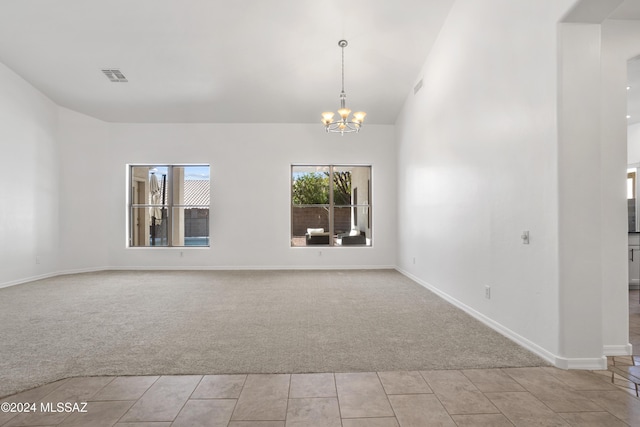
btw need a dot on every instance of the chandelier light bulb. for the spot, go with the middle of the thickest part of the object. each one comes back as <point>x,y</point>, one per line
<point>344,113</point>
<point>327,118</point>
<point>359,115</point>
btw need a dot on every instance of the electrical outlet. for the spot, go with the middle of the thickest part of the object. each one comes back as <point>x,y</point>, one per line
<point>487,292</point>
<point>181,254</point>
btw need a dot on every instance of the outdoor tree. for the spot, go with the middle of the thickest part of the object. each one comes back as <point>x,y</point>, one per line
<point>313,188</point>
<point>342,188</point>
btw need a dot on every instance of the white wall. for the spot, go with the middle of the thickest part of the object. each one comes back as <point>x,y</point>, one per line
<point>85,182</point>
<point>250,196</point>
<point>477,164</point>
<point>29,191</point>
<point>633,147</point>
<point>64,201</point>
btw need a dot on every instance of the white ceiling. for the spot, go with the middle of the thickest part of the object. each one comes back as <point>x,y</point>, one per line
<point>628,10</point>
<point>250,61</point>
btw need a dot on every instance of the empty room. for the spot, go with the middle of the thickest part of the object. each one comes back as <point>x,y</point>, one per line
<point>280,213</point>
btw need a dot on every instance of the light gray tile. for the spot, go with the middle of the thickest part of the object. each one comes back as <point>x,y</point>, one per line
<point>219,387</point>
<point>99,414</point>
<point>523,409</point>
<point>551,391</point>
<point>35,394</point>
<point>580,380</point>
<point>446,380</point>
<point>77,389</point>
<point>403,382</point>
<point>73,390</point>
<point>144,424</point>
<point>362,395</point>
<point>618,403</point>
<point>6,416</point>
<point>164,399</point>
<point>592,419</point>
<point>457,393</point>
<point>420,410</point>
<point>263,398</point>
<point>370,422</point>
<point>621,360</point>
<point>36,419</point>
<point>492,380</point>
<point>125,388</point>
<point>313,412</point>
<point>205,413</point>
<point>256,424</point>
<point>482,420</point>
<point>312,385</point>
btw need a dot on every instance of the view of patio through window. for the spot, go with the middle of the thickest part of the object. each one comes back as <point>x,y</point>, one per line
<point>331,205</point>
<point>169,205</point>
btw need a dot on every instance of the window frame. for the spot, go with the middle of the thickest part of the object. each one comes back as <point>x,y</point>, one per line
<point>169,206</point>
<point>332,206</point>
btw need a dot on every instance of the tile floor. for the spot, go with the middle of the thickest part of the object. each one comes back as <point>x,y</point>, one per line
<point>475,397</point>
<point>483,397</point>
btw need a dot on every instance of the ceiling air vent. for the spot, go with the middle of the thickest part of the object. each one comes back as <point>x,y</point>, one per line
<point>114,75</point>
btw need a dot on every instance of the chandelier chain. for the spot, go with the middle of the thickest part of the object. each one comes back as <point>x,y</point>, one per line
<point>342,69</point>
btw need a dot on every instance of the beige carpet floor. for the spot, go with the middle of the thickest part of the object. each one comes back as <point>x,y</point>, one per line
<point>215,322</point>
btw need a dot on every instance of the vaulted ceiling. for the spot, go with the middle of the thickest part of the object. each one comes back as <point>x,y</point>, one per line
<point>250,61</point>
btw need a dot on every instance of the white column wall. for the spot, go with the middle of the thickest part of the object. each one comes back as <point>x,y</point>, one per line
<point>477,164</point>
<point>579,195</point>
<point>620,42</point>
<point>29,188</point>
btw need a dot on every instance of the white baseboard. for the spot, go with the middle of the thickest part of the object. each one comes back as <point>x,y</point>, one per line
<point>254,267</point>
<point>557,361</point>
<point>49,275</point>
<point>617,350</point>
<point>591,364</point>
<point>27,279</point>
<point>199,267</point>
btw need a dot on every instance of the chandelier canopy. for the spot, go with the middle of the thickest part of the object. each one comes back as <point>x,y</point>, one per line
<point>344,124</point>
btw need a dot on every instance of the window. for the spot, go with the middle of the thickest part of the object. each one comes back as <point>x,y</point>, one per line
<point>169,205</point>
<point>330,205</point>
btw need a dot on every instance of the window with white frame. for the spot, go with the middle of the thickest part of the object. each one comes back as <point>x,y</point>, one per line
<point>169,205</point>
<point>331,205</point>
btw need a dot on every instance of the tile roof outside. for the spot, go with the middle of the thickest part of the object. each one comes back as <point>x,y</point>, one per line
<point>196,192</point>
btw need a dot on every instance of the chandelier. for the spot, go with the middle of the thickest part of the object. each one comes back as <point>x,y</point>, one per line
<point>344,124</point>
